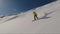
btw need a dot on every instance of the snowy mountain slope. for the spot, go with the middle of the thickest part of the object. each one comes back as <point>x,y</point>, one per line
<point>24,24</point>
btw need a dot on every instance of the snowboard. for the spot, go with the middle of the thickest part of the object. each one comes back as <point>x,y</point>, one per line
<point>35,20</point>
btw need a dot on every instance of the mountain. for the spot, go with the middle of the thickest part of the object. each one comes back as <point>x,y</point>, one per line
<point>22,23</point>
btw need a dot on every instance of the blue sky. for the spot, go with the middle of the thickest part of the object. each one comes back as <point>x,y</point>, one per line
<point>16,6</point>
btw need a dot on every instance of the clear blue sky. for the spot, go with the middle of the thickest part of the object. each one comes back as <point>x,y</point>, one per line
<point>16,6</point>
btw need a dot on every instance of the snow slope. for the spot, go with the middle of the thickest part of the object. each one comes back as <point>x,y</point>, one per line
<point>49,22</point>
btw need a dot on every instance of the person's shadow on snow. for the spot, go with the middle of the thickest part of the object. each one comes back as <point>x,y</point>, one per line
<point>46,15</point>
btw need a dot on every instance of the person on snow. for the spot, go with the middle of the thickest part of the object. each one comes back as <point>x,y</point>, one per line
<point>35,15</point>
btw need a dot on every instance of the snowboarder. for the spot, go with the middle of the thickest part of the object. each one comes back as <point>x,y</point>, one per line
<point>35,15</point>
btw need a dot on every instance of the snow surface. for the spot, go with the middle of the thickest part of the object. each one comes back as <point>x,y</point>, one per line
<point>49,22</point>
